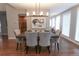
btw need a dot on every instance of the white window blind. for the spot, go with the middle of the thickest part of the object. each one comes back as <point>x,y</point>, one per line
<point>57,22</point>
<point>0,27</point>
<point>52,22</point>
<point>66,23</point>
<point>77,26</point>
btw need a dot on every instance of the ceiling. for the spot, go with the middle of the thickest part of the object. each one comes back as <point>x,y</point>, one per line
<point>54,8</point>
<point>32,5</point>
<point>61,7</point>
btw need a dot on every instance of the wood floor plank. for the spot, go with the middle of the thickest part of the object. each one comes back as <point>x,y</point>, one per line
<point>8,48</point>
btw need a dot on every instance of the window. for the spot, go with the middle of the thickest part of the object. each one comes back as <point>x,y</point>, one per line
<point>57,22</point>
<point>66,23</point>
<point>0,27</point>
<point>77,27</point>
<point>52,22</point>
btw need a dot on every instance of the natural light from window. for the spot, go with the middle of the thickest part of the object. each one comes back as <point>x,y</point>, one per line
<point>57,22</point>
<point>66,23</point>
<point>52,22</point>
<point>77,27</point>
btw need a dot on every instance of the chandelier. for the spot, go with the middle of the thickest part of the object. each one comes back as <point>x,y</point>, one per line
<point>37,11</point>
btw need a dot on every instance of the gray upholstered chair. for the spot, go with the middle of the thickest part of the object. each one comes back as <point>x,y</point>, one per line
<point>18,38</point>
<point>44,40</point>
<point>31,40</point>
<point>55,38</point>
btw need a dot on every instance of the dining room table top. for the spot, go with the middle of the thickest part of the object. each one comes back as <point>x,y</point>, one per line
<point>24,33</point>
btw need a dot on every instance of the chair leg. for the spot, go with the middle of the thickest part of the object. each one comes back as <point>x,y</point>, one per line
<point>36,49</point>
<point>48,49</point>
<point>17,47</point>
<point>58,46</point>
<point>55,46</point>
<point>20,45</point>
<point>24,42</point>
<point>39,49</point>
<point>27,49</point>
<point>24,47</point>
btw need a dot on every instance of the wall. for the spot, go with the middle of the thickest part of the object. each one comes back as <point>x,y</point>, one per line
<point>2,6</point>
<point>21,11</point>
<point>2,10</point>
<point>29,19</point>
<point>73,20</point>
<point>73,23</point>
<point>29,25</point>
<point>12,20</point>
<point>61,21</point>
<point>3,20</point>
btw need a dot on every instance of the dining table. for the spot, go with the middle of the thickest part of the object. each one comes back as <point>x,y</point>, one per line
<point>52,38</point>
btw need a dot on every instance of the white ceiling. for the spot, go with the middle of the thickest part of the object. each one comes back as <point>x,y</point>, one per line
<point>32,5</point>
<point>61,7</point>
<point>54,8</point>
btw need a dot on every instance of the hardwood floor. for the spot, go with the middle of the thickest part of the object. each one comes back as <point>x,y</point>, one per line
<point>8,48</point>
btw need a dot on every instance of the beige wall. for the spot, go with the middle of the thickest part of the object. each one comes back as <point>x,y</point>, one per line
<point>12,20</point>
<point>29,25</point>
<point>2,6</point>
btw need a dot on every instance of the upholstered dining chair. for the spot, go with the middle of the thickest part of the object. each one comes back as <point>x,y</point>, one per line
<point>44,40</point>
<point>31,40</point>
<point>19,40</point>
<point>55,39</point>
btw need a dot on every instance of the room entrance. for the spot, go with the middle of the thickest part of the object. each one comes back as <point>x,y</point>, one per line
<point>22,24</point>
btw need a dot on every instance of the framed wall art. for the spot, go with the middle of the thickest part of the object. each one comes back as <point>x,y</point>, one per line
<point>38,22</point>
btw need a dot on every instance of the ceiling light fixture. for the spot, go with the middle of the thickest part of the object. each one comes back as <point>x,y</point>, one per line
<point>27,13</point>
<point>41,13</point>
<point>47,13</point>
<point>34,13</point>
<point>38,11</point>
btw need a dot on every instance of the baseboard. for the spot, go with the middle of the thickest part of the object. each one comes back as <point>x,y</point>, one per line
<point>66,37</point>
<point>71,40</point>
<point>11,38</point>
<point>0,39</point>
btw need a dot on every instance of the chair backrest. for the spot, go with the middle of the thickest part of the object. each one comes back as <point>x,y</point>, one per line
<point>44,38</point>
<point>46,30</point>
<point>31,38</point>
<point>53,30</point>
<point>58,32</point>
<point>29,30</point>
<point>17,32</point>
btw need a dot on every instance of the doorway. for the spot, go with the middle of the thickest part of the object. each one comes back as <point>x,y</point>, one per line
<point>3,25</point>
<point>22,24</point>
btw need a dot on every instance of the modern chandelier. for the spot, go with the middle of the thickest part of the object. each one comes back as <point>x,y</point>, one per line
<point>37,11</point>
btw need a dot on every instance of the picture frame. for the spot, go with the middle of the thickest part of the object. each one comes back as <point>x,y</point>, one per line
<point>38,22</point>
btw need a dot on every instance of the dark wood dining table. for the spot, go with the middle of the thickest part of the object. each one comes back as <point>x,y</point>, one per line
<point>52,39</point>
<point>23,35</point>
